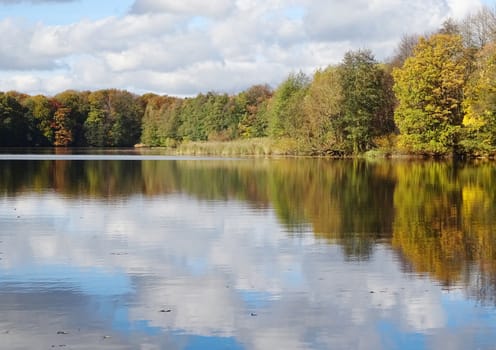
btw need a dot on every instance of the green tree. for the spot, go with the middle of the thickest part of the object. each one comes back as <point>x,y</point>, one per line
<point>151,120</point>
<point>127,114</point>
<point>171,121</point>
<point>217,117</point>
<point>39,115</point>
<point>429,88</point>
<point>161,121</point>
<point>14,130</point>
<point>365,98</point>
<point>286,108</point>
<point>192,119</point>
<point>114,118</point>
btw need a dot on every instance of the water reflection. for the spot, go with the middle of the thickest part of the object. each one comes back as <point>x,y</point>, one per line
<point>248,254</point>
<point>444,224</point>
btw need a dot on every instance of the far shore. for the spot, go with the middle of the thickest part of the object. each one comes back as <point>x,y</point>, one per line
<point>266,147</point>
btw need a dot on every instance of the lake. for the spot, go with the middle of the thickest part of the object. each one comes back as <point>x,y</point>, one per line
<point>129,250</point>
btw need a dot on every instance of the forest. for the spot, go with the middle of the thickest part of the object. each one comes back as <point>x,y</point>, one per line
<point>435,97</point>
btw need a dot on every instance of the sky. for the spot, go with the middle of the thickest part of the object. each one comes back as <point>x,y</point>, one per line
<point>186,47</point>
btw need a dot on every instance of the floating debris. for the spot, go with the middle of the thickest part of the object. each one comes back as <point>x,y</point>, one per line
<point>107,337</point>
<point>62,332</point>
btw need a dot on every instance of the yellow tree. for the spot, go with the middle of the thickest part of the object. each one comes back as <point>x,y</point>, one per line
<point>323,126</point>
<point>429,88</point>
<point>480,105</point>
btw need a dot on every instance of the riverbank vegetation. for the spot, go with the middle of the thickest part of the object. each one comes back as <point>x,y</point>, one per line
<point>435,97</point>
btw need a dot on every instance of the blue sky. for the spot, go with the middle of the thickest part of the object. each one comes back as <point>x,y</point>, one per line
<point>54,13</point>
<point>191,46</point>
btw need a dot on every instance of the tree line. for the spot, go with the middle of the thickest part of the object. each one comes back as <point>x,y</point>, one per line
<point>72,118</point>
<point>436,96</point>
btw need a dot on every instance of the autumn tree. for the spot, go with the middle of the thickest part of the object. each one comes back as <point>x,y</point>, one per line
<point>75,108</point>
<point>429,88</point>
<point>323,127</point>
<point>253,102</point>
<point>479,121</point>
<point>62,127</point>
<point>151,120</point>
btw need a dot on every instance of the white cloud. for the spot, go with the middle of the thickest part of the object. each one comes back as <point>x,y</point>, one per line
<point>186,47</point>
<point>459,8</point>
<point>191,7</point>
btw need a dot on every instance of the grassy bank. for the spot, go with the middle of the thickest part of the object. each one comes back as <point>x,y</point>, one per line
<point>386,147</point>
<point>260,147</point>
<point>248,147</point>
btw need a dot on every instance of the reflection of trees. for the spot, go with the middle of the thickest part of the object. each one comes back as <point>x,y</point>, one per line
<point>349,202</point>
<point>18,175</point>
<point>445,214</point>
<point>96,178</point>
<point>441,216</point>
<point>345,201</point>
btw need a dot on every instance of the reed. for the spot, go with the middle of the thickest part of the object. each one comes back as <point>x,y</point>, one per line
<point>246,147</point>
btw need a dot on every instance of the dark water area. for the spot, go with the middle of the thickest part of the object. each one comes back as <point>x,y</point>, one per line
<point>133,250</point>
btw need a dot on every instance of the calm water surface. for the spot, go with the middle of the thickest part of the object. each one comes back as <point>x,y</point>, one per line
<point>152,252</point>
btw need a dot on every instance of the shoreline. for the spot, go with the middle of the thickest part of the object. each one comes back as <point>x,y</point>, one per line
<point>275,148</point>
<point>255,147</point>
